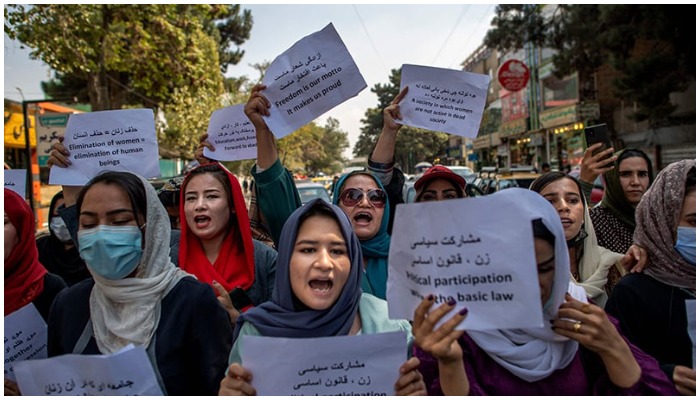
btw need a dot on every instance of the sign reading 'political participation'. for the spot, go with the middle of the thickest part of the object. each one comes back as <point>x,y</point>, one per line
<point>487,269</point>
<point>232,134</point>
<point>115,140</point>
<point>16,180</point>
<point>359,365</point>
<point>443,100</point>
<point>314,75</point>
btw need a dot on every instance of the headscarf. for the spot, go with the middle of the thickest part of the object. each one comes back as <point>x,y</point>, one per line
<point>375,249</point>
<point>128,310</point>
<point>533,354</point>
<point>658,214</point>
<point>279,317</point>
<point>614,197</point>
<point>234,266</point>
<point>24,274</point>
<point>58,260</point>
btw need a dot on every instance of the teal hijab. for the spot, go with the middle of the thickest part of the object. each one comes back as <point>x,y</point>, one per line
<point>375,249</point>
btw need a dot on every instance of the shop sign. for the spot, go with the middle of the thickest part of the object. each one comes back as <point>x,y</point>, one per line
<point>514,127</point>
<point>482,142</point>
<point>503,150</point>
<point>513,75</point>
<point>589,111</point>
<point>48,130</point>
<point>454,152</point>
<point>558,116</point>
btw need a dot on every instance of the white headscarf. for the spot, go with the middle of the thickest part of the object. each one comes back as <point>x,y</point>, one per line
<point>533,354</point>
<point>128,310</point>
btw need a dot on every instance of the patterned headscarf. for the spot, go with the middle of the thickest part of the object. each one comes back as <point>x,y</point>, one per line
<point>658,214</point>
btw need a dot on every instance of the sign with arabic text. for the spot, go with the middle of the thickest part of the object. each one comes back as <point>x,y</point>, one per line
<point>26,335</point>
<point>232,134</point>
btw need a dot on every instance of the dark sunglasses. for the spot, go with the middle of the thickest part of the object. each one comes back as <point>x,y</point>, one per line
<point>353,196</point>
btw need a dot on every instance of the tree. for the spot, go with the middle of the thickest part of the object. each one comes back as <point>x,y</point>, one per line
<point>651,46</point>
<point>412,144</point>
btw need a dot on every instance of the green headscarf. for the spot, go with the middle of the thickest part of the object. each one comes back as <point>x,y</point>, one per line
<point>614,198</point>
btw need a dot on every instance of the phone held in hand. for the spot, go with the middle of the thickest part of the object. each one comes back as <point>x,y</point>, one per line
<point>598,134</point>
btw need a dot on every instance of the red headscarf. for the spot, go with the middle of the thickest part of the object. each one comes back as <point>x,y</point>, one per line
<point>234,266</point>
<point>24,274</point>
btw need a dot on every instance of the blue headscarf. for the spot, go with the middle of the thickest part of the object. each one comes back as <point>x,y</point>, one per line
<point>281,317</point>
<point>375,249</point>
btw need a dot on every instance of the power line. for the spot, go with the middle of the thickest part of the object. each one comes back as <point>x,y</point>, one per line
<point>461,15</point>
<point>381,60</point>
<point>488,10</point>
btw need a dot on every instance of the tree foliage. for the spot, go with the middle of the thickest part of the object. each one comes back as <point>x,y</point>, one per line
<point>412,144</point>
<point>651,46</point>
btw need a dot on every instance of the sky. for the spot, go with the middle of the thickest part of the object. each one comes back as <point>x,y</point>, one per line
<point>378,37</point>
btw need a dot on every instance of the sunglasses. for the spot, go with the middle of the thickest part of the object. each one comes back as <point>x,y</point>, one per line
<point>353,196</point>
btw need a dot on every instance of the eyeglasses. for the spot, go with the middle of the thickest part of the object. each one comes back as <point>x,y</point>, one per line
<point>353,196</point>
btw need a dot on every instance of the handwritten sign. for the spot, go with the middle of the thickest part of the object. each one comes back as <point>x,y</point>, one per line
<point>314,75</point>
<point>360,365</point>
<point>25,337</point>
<point>16,180</point>
<point>443,100</point>
<point>125,373</point>
<point>690,313</point>
<point>232,134</point>
<point>49,128</point>
<point>115,140</point>
<point>483,258</point>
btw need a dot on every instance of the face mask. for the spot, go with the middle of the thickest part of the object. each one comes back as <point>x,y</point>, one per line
<point>685,243</point>
<point>112,252</point>
<point>59,229</point>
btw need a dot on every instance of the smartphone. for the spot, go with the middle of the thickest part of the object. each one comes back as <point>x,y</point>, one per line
<point>598,134</point>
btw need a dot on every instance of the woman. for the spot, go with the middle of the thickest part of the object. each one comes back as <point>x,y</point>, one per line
<point>136,294</point>
<point>278,197</point>
<point>216,244</point>
<point>318,249</point>
<point>57,252</point>
<point>651,306</point>
<point>26,279</point>
<point>579,351</point>
<point>439,183</point>
<point>590,263</point>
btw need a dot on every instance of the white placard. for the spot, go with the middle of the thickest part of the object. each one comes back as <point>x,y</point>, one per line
<point>115,140</point>
<point>25,337</point>
<point>16,180</point>
<point>360,365</point>
<point>232,134</point>
<point>125,373</point>
<point>477,250</point>
<point>314,75</point>
<point>443,100</point>
<point>690,313</point>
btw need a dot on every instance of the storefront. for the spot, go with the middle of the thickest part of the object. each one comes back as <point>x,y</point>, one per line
<point>563,133</point>
<point>514,134</point>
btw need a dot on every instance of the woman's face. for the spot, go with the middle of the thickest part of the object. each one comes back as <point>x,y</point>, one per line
<point>544,254</point>
<point>563,194</point>
<point>439,189</point>
<point>687,212</point>
<point>107,204</point>
<point>634,178</point>
<point>11,237</point>
<point>320,263</point>
<point>206,207</point>
<point>366,219</point>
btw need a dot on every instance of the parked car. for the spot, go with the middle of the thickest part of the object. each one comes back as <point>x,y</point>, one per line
<point>493,179</point>
<point>598,187</point>
<point>311,190</point>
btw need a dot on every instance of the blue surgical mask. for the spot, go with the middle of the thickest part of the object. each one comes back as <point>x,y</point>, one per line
<point>685,243</point>
<point>112,252</point>
<point>60,230</point>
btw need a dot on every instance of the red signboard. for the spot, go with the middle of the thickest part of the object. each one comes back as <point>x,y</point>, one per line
<point>513,75</point>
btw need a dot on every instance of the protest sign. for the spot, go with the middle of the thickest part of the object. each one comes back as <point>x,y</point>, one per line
<point>16,180</point>
<point>460,249</point>
<point>49,128</point>
<point>115,140</point>
<point>314,75</point>
<point>25,337</point>
<point>690,314</point>
<point>232,134</point>
<point>443,100</point>
<point>360,365</point>
<point>127,372</point>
